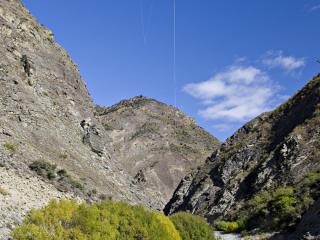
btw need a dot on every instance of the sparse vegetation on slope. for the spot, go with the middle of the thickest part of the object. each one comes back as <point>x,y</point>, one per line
<point>265,176</point>
<point>10,147</point>
<point>143,132</point>
<point>276,209</point>
<point>59,177</point>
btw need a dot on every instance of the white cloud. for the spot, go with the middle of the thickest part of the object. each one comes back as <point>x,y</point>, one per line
<point>223,127</point>
<point>235,95</point>
<point>277,59</point>
<point>315,8</point>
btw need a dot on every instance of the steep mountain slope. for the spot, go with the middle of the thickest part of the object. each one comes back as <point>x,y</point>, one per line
<point>51,143</point>
<point>46,119</point>
<point>277,149</point>
<point>156,142</point>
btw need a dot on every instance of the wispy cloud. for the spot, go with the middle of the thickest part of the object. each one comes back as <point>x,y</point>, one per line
<point>315,8</point>
<point>275,59</point>
<point>237,94</point>
<point>223,127</point>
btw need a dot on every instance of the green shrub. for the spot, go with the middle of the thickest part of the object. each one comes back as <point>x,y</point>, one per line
<point>259,203</point>
<point>281,208</point>
<point>226,226</point>
<point>60,177</point>
<point>73,183</point>
<point>48,223</point>
<point>63,156</point>
<point>62,173</point>
<point>276,209</point>
<point>10,147</point>
<point>192,227</point>
<point>44,169</point>
<point>100,221</point>
<point>283,204</point>
<point>313,178</point>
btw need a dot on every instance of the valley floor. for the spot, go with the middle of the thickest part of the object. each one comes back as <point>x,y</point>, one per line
<point>226,236</point>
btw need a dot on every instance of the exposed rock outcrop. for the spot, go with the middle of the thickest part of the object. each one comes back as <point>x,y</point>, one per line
<point>52,145</point>
<point>157,143</point>
<point>278,148</point>
<point>43,102</point>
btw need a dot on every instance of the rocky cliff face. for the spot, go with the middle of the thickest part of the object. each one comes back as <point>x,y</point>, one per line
<point>157,143</point>
<point>52,144</point>
<point>276,149</point>
<point>46,118</point>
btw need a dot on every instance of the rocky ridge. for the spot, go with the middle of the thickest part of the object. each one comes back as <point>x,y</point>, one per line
<point>43,106</point>
<point>276,149</point>
<point>53,140</point>
<point>158,143</point>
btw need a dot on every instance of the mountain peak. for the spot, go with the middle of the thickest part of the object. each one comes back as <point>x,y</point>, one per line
<point>54,144</point>
<point>157,142</point>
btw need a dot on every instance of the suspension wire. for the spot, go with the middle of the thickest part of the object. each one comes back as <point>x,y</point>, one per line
<point>174,70</point>
<point>174,54</point>
<point>149,17</point>
<point>145,18</point>
<point>142,22</point>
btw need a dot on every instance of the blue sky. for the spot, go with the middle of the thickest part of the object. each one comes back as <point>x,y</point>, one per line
<point>234,59</point>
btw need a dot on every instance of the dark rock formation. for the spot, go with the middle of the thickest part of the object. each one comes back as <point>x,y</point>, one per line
<point>93,137</point>
<point>276,149</point>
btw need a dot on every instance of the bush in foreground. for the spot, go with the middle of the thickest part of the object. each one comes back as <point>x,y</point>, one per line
<point>100,221</point>
<point>192,227</point>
